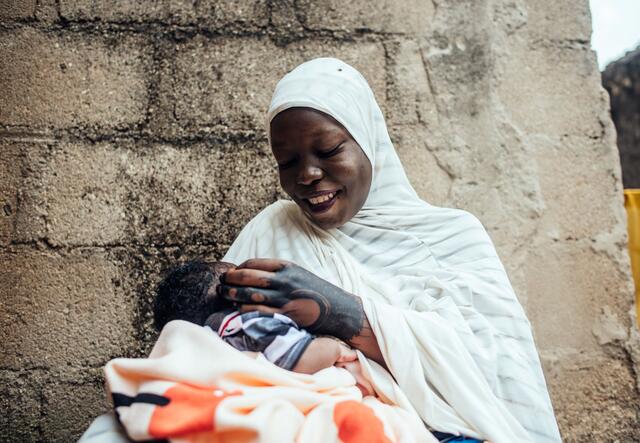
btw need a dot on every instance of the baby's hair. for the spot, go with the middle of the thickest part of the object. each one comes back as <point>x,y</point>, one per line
<point>181,295</point>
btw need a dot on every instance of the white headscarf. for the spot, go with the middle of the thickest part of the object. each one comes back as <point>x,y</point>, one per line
<point>448,323</point>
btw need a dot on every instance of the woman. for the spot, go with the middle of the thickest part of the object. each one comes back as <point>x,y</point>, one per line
<point>357,255</point>
<point>416,288</point>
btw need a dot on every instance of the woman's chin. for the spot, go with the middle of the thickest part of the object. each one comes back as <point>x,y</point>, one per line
<point>325,220</point>
<point>326,217</point>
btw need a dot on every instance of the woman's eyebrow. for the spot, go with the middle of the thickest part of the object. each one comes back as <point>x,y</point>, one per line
<point>321,136</point>
<point>279,144</point>
<point>324,131</point>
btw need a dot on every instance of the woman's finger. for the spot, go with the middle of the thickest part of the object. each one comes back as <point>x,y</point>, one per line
<point>264,264</point>
<point>260,308</point>
<point>248,277</point>
<point>251,295</point>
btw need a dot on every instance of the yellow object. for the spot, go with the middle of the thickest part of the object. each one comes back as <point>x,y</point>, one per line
<point>632,203</point>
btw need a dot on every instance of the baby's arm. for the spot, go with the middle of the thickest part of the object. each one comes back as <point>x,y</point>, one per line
<point>283,343</point>
<point>321,353</point>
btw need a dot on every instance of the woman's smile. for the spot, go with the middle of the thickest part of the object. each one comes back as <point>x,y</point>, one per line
<point>322,201</point>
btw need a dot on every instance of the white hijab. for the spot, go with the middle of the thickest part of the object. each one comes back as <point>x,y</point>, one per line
<point>448,323</point>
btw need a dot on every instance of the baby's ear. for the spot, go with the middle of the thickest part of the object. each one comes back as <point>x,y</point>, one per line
<point>212,294</point>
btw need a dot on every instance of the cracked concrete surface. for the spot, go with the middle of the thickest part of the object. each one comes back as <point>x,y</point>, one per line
<point>131,137</point>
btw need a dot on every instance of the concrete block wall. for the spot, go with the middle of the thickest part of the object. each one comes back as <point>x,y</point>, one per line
<point>131,136</point>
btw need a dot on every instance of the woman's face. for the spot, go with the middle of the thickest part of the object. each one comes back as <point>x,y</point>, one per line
<point>321,166</point>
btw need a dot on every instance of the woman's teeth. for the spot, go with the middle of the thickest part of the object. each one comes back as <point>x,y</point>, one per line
<point>322,198</point>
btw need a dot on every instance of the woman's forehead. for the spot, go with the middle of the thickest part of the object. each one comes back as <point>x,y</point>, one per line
<point>303,122</point>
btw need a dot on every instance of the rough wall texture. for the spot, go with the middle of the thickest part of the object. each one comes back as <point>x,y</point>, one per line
<point>131,136</point>
<point>622,80</point>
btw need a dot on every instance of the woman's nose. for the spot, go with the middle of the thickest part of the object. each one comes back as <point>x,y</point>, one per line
<point>308,174</point>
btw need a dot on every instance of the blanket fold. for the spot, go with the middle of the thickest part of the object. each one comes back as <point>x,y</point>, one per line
<point>194,387</point>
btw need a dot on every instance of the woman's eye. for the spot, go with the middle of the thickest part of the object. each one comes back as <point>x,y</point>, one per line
<point>331,152</point>
<point>286,164</point>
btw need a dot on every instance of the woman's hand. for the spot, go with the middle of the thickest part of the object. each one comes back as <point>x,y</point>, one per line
<point>272,285</point>
<point>279,286</point>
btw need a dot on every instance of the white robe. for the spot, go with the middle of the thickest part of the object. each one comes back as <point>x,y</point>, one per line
<point>448,323</point>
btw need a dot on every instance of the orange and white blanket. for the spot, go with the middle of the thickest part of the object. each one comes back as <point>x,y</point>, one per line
<point>194,387</point>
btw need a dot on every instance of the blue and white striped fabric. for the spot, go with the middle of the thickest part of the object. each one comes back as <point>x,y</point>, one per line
<point>449,325</point>
<point>278,337</point>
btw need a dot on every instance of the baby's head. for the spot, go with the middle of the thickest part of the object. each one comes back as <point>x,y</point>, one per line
<point>188,292</point>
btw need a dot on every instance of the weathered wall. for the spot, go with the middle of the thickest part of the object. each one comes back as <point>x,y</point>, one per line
<point>131,136</point>
<point>621,79</point>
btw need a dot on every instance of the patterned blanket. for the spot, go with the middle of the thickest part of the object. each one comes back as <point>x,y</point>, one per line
<point>194,387</point>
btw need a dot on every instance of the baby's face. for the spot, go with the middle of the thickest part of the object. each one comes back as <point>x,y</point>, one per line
<point>217,268</point>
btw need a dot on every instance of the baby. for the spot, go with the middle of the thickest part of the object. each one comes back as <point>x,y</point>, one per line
<point>189,293</point>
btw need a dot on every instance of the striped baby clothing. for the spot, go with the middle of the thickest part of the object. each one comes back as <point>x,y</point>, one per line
<point>278,337</point>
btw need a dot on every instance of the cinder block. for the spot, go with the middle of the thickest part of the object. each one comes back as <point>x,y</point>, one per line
<point>62,310</point>
<point>551,90</point>
<point>594,399</point>
<point>460,71</point>
<point>20,394</point>
<point>580,186</point>
<point>180,11</point>
<point>461,17</point>
<point>413,17</point>
<point>567,292</point>
<point>284,17</point>
<point>246,14</point>
<point>47,11</point>
<point>111,194</point>
<point>249,13</point>
<point>82,188</point>
<point>64,80</point>
<point>558,20</point>
<point>510,16</point>
<point>427,176</point>
<point>410,98</point>
<point>69,409</point>
<point>209,89</point>
<point>29,222</point>
<point>10,180</point>
<point>17,9</point>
